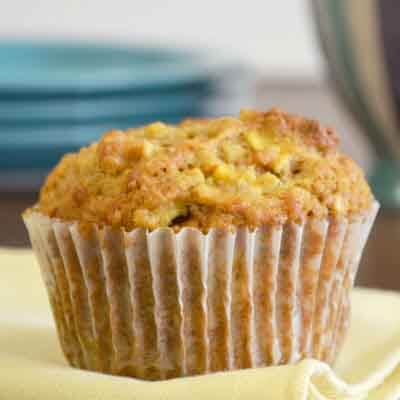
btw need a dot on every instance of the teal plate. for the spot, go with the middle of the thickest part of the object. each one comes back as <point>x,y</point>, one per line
<point>42,146</point>
<point>98,108</point>
<point>61,67</point>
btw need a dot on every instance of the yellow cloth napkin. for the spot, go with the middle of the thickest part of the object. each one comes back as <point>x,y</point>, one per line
<point>33,368</point>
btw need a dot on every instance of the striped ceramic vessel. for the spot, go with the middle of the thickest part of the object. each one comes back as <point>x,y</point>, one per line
<point>360,39</point>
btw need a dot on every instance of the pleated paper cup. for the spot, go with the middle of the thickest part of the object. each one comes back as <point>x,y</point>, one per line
<point>161,304</point>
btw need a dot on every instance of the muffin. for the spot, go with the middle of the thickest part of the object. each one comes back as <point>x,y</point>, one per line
<point>212,245</point>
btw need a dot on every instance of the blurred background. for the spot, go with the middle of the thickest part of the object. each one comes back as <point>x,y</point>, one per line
<point>69,70</point>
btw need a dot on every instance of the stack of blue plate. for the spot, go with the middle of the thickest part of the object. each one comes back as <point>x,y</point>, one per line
<point>57,97</point>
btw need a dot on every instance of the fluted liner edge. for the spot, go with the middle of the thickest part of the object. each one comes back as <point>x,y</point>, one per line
<point>158,305</point>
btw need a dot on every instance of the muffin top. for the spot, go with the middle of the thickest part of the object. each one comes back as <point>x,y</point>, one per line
<point>259,168</point>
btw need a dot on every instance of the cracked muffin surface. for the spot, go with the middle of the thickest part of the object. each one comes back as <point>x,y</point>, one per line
<point>258,168</point>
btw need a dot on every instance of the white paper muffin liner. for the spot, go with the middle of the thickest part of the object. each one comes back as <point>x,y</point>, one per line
<point>160,304</point>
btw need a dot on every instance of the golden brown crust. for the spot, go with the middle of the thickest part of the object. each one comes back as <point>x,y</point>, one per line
<point>263,167</point>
